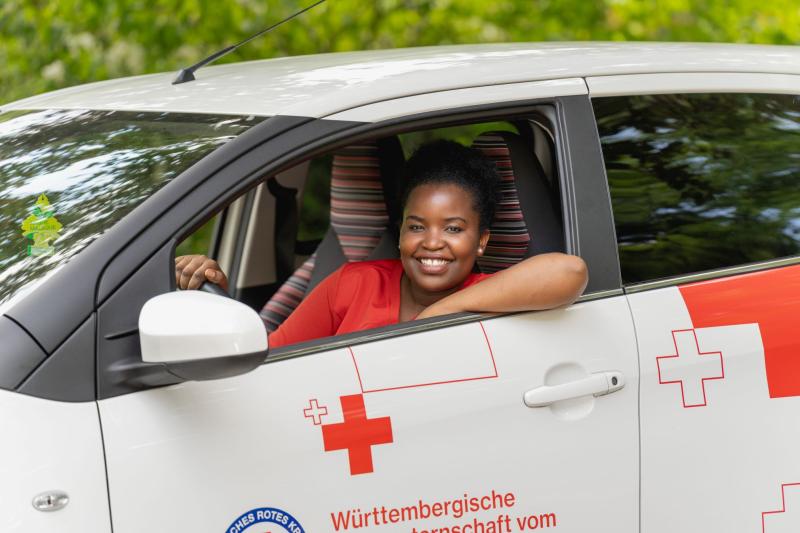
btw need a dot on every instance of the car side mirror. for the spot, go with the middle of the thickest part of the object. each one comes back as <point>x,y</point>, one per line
<point>200,336</point>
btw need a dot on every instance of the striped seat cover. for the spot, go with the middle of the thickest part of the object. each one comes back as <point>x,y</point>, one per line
<point>510,239</point>
<point>359,218</point>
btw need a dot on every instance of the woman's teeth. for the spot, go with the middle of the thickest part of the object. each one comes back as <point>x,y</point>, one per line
<point>433,262</point>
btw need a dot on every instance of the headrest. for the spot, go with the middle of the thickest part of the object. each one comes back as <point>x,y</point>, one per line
<point>508,243</point>
<point>363,185</point>
<point>526,221</point>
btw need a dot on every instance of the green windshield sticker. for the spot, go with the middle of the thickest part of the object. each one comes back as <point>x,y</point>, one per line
<point>41,227</point>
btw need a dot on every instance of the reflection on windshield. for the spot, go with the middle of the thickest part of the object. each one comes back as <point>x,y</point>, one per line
<point>68,176</point>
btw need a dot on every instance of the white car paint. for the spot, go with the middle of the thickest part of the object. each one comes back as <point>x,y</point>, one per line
<point>208,452</point>
<point>50,446</point>
<point>716,448</point>
<point>437,101</point>
<point>325,84</point>
<point>693,82</point>
<point>187,325</point>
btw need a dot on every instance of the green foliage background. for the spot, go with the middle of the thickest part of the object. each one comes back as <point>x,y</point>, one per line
<point>48,44</point>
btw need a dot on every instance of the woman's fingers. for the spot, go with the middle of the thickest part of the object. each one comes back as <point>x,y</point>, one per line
<point>180,264</point>
<point>215,274</point>
<point>198,272</point>
<point>186,271</point>
<point>191,271</point>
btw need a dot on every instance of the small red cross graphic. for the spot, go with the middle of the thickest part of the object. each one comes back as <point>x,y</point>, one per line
<point>357,434</point>
<point>690,368</point>
<point>315,412</point>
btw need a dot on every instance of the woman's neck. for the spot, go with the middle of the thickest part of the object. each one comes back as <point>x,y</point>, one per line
<point>414,299</point>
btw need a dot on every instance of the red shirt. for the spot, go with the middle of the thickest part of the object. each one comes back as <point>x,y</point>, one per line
<point>358,296</point>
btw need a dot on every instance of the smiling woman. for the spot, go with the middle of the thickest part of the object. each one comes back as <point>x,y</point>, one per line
<point>449,201</point>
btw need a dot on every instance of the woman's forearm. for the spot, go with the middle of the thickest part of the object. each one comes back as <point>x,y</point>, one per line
<point>544,281</point>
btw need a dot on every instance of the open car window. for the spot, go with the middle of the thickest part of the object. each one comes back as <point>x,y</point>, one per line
<point>306,199</point>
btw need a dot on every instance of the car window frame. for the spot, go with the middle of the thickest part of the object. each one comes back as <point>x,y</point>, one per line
<point>571,113</point>
<point>589,226</point>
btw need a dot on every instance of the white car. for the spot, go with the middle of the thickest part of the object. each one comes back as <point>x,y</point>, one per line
<point>666,399</point>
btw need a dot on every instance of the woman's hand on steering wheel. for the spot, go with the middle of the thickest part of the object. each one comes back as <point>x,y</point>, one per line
<point>191,271</point>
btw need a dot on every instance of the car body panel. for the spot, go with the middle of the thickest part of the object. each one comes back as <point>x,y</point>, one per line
<point>475,96</point>
<point>321,85</point>
<point>717,443</point>
<point>693,82</point>
<point>48,446</point>
<point>20,354</point>
<point>457,424</point>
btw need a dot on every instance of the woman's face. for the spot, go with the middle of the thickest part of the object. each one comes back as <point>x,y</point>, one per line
<point>440,237</point>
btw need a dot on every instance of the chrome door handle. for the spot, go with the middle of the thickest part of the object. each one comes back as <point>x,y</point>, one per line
<point>597,384</point>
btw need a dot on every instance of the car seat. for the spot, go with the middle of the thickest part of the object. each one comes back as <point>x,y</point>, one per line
<point>364,214</point>
<point>527,221</point>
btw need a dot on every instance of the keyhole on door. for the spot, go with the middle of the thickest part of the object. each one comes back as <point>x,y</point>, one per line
<point>614,380</point>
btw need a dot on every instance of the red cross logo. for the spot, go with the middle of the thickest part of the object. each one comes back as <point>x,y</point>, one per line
<point>315,412</point>
<point>357,434</point>
<point>690,368</point>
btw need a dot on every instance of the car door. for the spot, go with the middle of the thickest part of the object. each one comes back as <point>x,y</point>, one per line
<point>404,424</point>
<point>703,182</point>
<point>417,427</point>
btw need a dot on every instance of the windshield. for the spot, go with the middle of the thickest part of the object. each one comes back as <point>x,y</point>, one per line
<point>68,176</point>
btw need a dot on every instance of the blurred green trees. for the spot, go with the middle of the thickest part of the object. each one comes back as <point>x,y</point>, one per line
<point>47,44</point>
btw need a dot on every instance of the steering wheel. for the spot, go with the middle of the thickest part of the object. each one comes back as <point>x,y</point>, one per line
<point>213,288</point>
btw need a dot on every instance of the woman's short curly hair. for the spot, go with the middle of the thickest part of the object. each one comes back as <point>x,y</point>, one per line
<point>448,162</point>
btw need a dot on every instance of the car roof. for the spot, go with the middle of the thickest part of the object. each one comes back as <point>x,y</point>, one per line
<point>324,84</point>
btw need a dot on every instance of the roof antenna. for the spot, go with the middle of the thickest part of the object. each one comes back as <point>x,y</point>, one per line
<point>187,74</point>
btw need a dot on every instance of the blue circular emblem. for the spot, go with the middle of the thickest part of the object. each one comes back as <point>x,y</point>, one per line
<point>269,515</point>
